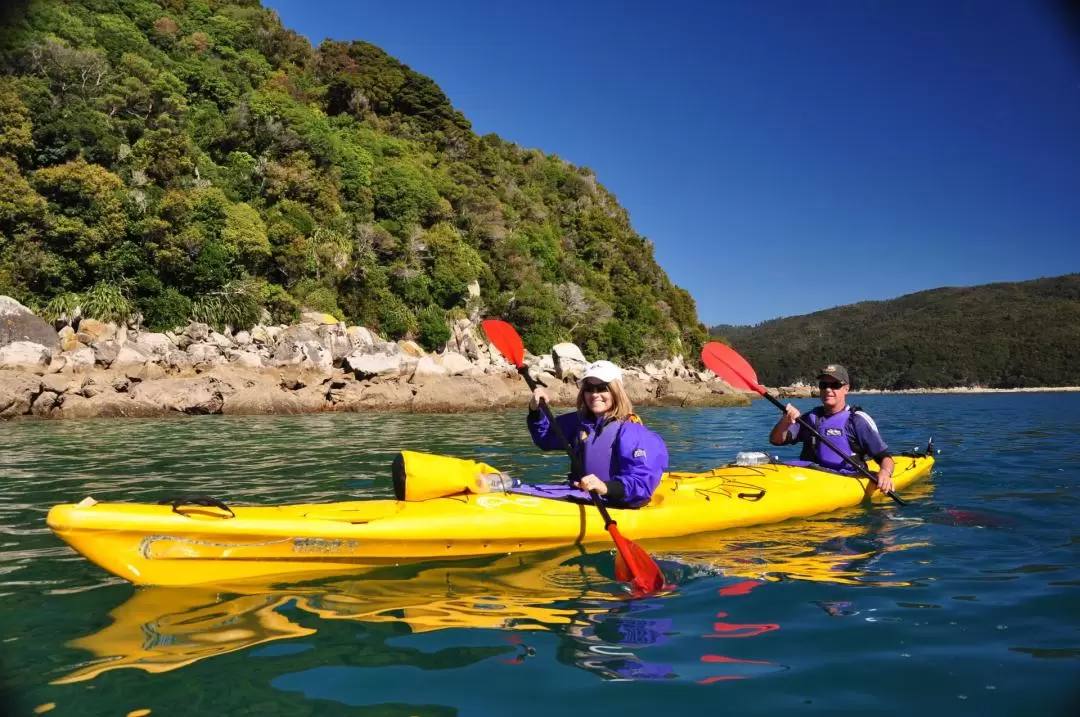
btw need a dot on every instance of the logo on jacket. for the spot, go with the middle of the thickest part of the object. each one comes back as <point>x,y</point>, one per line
<point>639,453</point>
<point>833,432</point>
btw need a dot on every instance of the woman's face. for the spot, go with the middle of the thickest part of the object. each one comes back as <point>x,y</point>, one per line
<point>598,398</point>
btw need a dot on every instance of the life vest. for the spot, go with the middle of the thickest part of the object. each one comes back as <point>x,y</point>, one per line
<point>597,448</point>
<point>839,428</point>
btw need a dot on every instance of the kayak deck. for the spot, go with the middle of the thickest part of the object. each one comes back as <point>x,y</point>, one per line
<point>194,544</point>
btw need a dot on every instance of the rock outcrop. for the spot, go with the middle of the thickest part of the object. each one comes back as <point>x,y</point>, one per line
<point>96,369</point>
<point>25,339</point>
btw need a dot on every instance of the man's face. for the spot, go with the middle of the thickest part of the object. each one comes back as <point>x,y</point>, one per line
<point>833,393</point>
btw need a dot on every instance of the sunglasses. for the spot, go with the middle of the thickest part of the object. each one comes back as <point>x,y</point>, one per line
<point>830,384</point>
<point>595,388</point>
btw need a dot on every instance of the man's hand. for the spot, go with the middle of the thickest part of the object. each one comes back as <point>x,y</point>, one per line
<point>884,476</point>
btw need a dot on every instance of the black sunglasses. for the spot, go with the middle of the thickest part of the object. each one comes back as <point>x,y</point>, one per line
<point>830,384</point>
<point>595,388</point>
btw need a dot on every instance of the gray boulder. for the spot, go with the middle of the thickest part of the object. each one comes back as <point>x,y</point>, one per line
<point>18,323</point>
<point>247,359</point>
<point>81,359</point>
<point>335,340</point>
<point>184,395</point>
<point>300,346</point>
<point>104,405</point>
<point>197,332</point>
<point>45,402</point>
<point>361,337</point>
<point>128,356</point>
<point>569,362</point>
<point>220,340</point>
<point>203,353</point>
<point>372,365</point>
<point>456,364</point>
<point>153,345</point>
<point>25,354</point>
<point>17,391</point>
<point>464,340</point>
<point>179,360</point>
<point>106,351</point>
<point>263,400</point>
<point>427,368</point>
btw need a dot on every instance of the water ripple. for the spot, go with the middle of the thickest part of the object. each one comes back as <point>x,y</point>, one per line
<point>844,613</point>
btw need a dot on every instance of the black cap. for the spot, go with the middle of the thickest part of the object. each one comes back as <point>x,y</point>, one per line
<point>835,370</point>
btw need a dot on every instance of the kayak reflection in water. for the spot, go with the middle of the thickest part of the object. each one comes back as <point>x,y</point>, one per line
<point>605,643</point>
<point>610,644</point>
<point>623,460</point>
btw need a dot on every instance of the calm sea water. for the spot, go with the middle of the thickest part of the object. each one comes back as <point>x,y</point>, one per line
<point>965,602</point>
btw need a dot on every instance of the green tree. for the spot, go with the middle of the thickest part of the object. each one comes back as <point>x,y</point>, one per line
<point>245,236</point>
<point>21,208</point>
<point>166,311</point>
<point>433,331</point>
<point>453,264</point>
<point>165,156</point>
<point>395,319</point>
<point>403,195</point>
<point>16,139</point>
<point>85,207</point>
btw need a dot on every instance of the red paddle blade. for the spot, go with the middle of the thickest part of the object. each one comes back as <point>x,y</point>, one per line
<point>503,337</point>
<point>726,363</point>
<point>633,565</point>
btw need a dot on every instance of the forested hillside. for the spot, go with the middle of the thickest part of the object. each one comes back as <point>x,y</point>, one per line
<point>997,335</point>
<point>196,159</point>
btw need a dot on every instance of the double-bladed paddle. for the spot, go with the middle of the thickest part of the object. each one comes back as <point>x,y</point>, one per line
<point>632,563</point>
<point>726,363</point>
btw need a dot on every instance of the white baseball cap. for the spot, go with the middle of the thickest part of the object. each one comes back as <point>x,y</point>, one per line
<point>603,371</point>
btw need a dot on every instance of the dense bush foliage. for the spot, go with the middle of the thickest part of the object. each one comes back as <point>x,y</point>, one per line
<point>997,335</point>
<point>197,159</point>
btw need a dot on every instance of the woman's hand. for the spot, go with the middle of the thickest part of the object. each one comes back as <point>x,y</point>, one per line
<point>591,482</point>
<point>539,393</point>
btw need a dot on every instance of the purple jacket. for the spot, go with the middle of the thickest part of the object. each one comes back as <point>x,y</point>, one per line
<point>626,455</point>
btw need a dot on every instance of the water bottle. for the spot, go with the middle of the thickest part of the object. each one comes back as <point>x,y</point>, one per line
<point>751,458</point>
<point>493,482</point>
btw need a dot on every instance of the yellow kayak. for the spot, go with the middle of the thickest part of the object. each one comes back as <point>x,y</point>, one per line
<point>191,544</point>
<point>163,629</point>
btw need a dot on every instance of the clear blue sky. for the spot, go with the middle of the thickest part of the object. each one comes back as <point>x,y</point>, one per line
<point>783,156</point>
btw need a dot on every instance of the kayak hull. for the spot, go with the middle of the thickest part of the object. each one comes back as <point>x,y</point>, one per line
<point>155,545</point>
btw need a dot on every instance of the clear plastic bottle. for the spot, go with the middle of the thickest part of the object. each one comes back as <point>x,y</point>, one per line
<point>751,458</point>
<point>495,482</point>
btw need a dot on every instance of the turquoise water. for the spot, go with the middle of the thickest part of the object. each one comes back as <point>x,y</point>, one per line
<point>965,602</point>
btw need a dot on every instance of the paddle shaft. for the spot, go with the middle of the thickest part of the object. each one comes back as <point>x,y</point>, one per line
<point>575,461</point>
<point>847,459</point>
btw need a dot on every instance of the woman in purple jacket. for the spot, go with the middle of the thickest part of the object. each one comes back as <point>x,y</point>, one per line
<point>623,460</point>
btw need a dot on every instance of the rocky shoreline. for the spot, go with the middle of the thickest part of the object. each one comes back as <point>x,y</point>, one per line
<point>91,369</point>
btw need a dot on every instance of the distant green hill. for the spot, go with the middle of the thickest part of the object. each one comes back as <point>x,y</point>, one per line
<point>195,159</point>
<point>1004,335</point>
